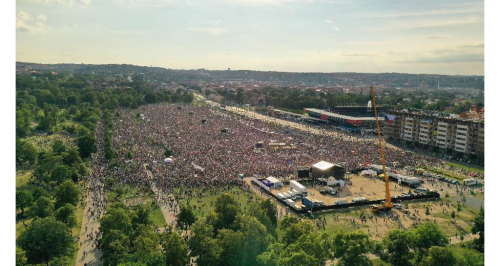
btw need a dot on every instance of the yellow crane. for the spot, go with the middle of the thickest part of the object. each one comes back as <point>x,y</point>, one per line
<point>387,205</point>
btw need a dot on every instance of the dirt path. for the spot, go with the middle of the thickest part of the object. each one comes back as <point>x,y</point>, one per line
<point>161,199</point>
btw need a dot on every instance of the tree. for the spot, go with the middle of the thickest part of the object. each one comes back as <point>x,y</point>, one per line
<point>175,250</point>
<point>352,248</point>
<point>45,239</point>
<point>66,214</point>
<point>86,143</point>
<point>186,217</point>
<point>272,255</point>
<point>116,219</point>
<point>58,146</point>
<point>469,258</point>
<point>71,157</point>
<point>61,173</point>
<point>24,200</point>
<point>271,210</point>
<point>61,261</point>
<point>232,244</point>
<point>478,228</point>
<point>296,230</point>
<point>141,216</point>
<point>226,209</point>
<point>203,245</point>
<point>114,245</point>
<point>439,256</point>
<point>146,241</point>
<point>43,207</point>
<point>424,237</point>
<point>26,152</point>
<point>255,239</point>
<point>397,248</point>
<point>67,192</point>
<point>39,192</point>
<point>21,259</point>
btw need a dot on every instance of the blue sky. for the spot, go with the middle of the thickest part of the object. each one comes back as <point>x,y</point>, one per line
<point>417,36</point>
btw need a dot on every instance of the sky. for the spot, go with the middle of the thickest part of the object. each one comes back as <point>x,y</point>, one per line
<point>372,36</point>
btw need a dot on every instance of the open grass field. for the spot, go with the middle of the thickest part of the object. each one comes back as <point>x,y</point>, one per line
<point>157,217</point>
<point>466,167</point>
<point>204,204</point>
<point>377,226</point>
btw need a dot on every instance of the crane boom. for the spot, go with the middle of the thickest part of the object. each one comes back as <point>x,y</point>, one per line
<point>387,204</point>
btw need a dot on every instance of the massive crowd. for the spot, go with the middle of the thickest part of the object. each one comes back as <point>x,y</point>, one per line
<point>204,156</point>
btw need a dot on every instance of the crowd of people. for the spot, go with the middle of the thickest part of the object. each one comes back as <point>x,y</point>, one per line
<point>215,152</point>
<point>95,205</point>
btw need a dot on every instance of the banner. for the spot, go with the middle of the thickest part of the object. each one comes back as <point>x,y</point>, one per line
<point>355,123</point>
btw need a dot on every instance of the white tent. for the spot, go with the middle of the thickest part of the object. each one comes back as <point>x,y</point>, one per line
<point>369,173</point>
<point>168,160</point>
<point>276,182</point>
<point>333,182</point>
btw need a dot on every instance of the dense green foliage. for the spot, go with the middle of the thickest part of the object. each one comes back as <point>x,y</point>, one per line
<point>478,228</point>
<point>296,99</point>
<point>45,239</point>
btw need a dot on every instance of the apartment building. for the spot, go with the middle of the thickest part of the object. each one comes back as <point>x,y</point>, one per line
<point>458,137</point>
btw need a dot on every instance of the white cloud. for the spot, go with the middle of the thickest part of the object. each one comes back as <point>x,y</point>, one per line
<point>430,24</point>
<point>210,30</point>
<point>25,22</point>
<point>331,22</point>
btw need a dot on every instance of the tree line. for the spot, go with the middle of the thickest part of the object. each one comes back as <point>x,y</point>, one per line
<point>232,236</point>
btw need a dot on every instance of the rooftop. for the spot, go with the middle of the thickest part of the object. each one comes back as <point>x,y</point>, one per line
<point>346,117</point>
<point>323,165</point>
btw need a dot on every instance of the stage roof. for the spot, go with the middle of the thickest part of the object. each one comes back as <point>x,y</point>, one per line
<point>323,165</point>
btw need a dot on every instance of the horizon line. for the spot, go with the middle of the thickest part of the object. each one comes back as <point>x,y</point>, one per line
<point>229,69</point>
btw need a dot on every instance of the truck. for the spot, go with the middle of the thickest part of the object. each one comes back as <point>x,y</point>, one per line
<point>378,168</point>
<point>471,182</point>
<point>341,202</point>
<point>312,203</point>
<point>360,199</point>
<point>307,202</point>
<point>299,187</point>
<point>330,190</point>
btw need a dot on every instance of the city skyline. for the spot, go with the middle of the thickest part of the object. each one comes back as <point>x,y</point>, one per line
<point>421,37</point>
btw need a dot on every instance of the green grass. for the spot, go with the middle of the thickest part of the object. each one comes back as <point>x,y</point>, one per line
<point>22,179</point>
<point>460,250</point>
<point>44,142</point>
<point>469,168</point>
<point>203,205</point>
<point>379,262</point>
<point>157,217</point>
<point>20,228</point>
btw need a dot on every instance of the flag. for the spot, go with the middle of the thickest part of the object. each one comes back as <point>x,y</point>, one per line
<point>389,118</point>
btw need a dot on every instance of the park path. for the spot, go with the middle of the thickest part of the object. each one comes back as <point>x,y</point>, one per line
<point>87,253</point>
<point>160,198</point>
